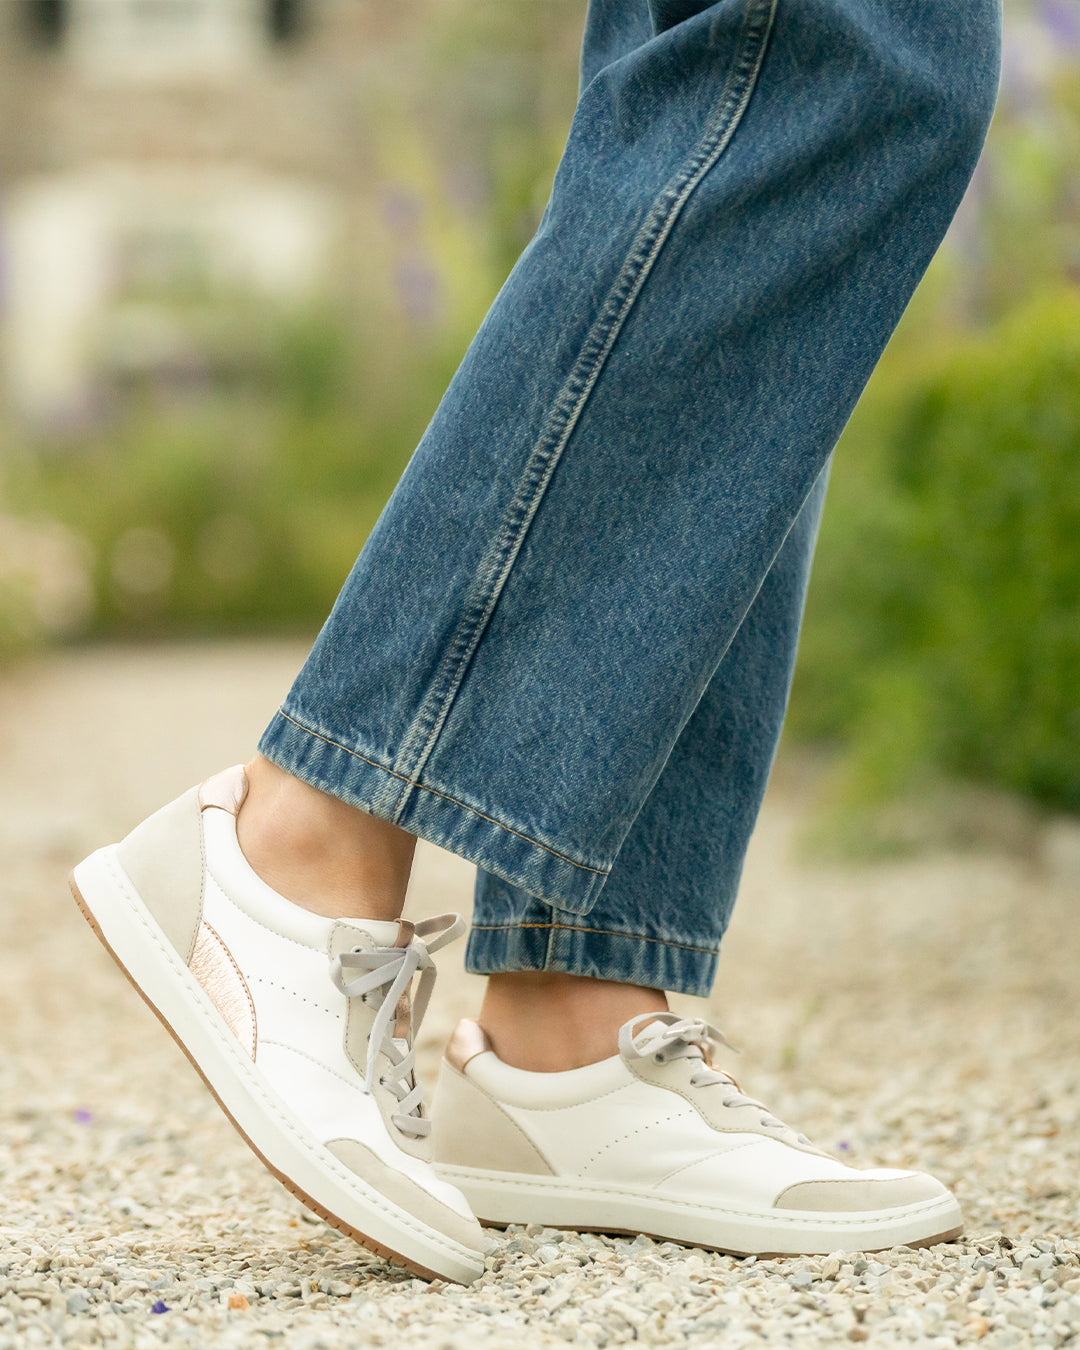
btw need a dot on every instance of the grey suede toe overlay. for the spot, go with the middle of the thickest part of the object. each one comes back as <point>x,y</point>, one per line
<point>406,1193</point>
<point>860,1193</point>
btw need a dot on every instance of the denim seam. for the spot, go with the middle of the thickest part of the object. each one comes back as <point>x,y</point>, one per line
<point>568,406</point>
<point>602,872</point>
<point>602,932</point>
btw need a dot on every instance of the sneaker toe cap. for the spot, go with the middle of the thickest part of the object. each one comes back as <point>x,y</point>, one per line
<point>444,1215</point>
<point>861,1193</point>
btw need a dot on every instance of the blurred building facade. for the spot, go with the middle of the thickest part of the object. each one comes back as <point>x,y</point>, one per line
<point>156,156</point>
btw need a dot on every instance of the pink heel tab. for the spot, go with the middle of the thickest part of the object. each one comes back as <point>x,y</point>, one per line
<point>225,790</point>
<point>468,1041</point>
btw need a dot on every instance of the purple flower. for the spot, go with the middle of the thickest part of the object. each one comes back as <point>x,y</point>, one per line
<point>418,286</point>
<point>1062,20</point>
<point>467,185</point>
<point>401,209</point>
<point>159,1306</point>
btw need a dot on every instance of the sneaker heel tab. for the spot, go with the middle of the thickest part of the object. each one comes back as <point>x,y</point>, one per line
<point>469,1040</point>
<point>225,790</point>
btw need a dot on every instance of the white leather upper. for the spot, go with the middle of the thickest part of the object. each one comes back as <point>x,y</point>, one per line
<point>631,1133</point>
<point>282,953</point>
<point>545,1091</point>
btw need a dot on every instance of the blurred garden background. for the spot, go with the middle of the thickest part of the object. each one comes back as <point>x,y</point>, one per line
<point>243,244</point>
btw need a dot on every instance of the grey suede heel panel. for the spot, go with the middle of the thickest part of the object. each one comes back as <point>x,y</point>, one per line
<point>165,858</point>
<point>471,1129</point>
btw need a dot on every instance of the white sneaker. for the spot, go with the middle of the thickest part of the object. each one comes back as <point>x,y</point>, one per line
<point>299,1025</point>
<point>655,1140</point>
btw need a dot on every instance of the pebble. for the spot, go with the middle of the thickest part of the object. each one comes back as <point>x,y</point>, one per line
<point>319,1291</point>
<point>908,1012</point>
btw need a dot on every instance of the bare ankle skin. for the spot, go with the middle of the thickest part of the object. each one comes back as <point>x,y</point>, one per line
<point>547,1022</point>
<point>321,854</point>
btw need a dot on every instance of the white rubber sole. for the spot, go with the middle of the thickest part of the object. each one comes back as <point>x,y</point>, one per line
<point>125,926</point>
<point>499,1198</point>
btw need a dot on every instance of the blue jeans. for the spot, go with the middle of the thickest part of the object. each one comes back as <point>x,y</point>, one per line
<point>565,650</point>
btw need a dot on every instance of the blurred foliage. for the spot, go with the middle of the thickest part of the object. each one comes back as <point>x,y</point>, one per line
<point>232,492</point>
<point>240,512</point>
<point>943,629</point>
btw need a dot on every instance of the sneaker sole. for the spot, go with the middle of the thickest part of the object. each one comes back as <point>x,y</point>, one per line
<point>501,1198</point>
<point>128,932</point>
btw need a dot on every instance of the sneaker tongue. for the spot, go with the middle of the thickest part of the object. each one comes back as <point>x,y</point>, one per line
<point>384,933</point>
<point>691,1049</point>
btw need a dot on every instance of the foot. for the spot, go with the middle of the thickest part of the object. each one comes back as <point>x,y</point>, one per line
<point>299,1023</point>
<point>655,1140</point>
<point>320,852</point>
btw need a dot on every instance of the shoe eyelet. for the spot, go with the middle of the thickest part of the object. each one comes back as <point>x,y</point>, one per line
<point>658,1058</point>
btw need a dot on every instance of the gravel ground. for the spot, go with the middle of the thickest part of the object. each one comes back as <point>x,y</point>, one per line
<point>912,1012</point>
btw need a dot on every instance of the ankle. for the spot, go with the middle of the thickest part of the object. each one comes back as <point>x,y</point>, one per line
<point>320,853</point>
<point>546,1022</point>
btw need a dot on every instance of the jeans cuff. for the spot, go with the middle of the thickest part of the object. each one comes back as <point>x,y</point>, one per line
<point>432,814</point>
<point>557,943</point>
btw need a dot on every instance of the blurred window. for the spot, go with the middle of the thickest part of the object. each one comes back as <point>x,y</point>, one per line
<point>118,40</point>
<point>285,20</point>
<point>161,37</point>
<point>46,21</point>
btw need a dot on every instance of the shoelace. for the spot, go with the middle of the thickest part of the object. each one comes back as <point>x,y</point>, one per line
<point>666,1036</point>
<point>392,969</point>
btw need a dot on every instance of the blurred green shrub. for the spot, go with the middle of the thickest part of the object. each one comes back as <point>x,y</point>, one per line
<point>943,627</point>
<point>240,512</point>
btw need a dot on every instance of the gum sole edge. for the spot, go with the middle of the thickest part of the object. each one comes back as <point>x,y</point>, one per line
<point>950,1236</point>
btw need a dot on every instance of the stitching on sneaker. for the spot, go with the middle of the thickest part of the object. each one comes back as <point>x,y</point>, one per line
<point>570,1106</point>
<point>622,1138</point>
<point>193,937</point>
<point>322,1007</point>
<point>256,1084</point>
<point>724,1129</point>
<point>750,1143</point>
<point>847,1181</point>
<point>601,1190</point>
<point>295,1049</point>
<point>255,919</point>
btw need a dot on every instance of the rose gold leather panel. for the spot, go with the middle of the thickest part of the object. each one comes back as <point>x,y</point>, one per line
<point>213,966</point>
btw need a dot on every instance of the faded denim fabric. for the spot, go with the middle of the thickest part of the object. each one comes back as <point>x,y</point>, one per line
<point>566,648</point>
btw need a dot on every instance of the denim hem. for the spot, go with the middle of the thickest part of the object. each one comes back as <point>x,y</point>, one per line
<point>432,815</point>
<point>627,958</point>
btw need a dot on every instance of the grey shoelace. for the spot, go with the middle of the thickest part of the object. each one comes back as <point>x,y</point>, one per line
<point>666,1036</point>
<point>391,969</point>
